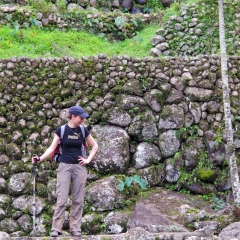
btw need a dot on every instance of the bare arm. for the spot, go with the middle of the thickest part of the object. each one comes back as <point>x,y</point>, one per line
<point>52,147</point>
<point>93,151</point>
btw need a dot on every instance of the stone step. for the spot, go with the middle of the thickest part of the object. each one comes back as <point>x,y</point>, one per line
<point>138,234</point>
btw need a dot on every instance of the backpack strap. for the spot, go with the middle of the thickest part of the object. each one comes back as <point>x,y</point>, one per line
<point>61,137</point>
<point>83,132</point>
<point>83,147</point>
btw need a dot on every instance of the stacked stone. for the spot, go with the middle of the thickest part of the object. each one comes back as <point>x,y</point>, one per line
<point>195,31</point>
<point>151,117</point>
<point>93,21</point>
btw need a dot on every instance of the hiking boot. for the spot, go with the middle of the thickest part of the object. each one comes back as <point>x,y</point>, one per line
<point>76,234</point>
<point>54,233</point>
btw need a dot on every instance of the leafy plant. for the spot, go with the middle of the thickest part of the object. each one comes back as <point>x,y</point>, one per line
<point>217,204</point>
<point>136,179</point>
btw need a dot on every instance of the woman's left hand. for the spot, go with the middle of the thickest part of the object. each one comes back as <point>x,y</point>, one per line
<point>83,161</point>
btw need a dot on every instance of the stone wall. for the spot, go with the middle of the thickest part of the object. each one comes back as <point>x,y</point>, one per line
<point>161,119</point>
<point>194,30</point>
<point>112,25</point>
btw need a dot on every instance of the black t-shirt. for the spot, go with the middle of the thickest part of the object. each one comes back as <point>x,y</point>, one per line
<point>71,144</point>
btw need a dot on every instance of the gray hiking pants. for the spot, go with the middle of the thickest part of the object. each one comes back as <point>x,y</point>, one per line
<point>76,174</point>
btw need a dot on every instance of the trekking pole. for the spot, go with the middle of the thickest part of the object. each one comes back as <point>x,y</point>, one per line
<point>34,170</point>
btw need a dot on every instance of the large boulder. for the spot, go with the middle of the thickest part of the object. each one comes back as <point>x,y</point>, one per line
<point>231,232</point>
<point>4,236</point>
<point>127,4</point>
<point>143,127</point>
<point>198,94</point>
<point>4,159</point>
<point>104,195</point>
<point>172,117</point>
<point>116,222</point>
<point>25,221</point>
<point>5,201</point>
<point>131,103</point>
<point>92,223</point>
<point>154,99</point>
<point>25,204</point>
<point>168,143</point>
<point>152,175</point>
<point>217,152</point>
<point>117,116</point>
<point>167,3</point>
<point>13,151</point>
<point>113,154</point>
<point>20,183</point>
<point>151,219</point>
<point>146,155</point>
<point>134,87</point>
<point>8,225</point>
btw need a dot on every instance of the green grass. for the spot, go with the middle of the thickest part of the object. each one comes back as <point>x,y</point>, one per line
<point>37,42</point>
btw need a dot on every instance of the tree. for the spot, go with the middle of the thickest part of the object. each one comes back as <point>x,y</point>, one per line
<point>226,104</point>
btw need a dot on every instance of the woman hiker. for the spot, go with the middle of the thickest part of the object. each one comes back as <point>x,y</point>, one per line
<point>71,169</point>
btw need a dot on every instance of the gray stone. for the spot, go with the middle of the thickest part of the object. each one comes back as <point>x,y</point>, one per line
<point>149,128</point>
<point>151,219</point>
<point>213,225</point>
<point>155,52</point>
<point>103,194</point>
<point>127,4</point>
<point>5,201</point>
<point>113,154</point>
<point>162,46</point>
<point>4,236</point>
<point>157,39</point>
<point>20,183</point>
<point>8,8</point>
<point>172,174</point>
<point>154,99</point>
<point>132,103</point>
<point>8,225</point>
<point>172,117</point>
<point>25,204</point>
<point>230,232</point>
<point>134,87</point>
<point>168,143</point>
<point>167,3</point>
<point>152,175</point>
<point>73,6</point>
<point>217,152</point>
<point>175,96</point>
<point>195,110</point>
<point>190,156</point>
<point>39,231</point>
<point>179,27</point>
<point>117,116</point>
<point>4,159</point>
<point>198,94</point>
<point>25,222</point>
<point>146,154</point>
<point>13,150</point>
<point>115,222</point>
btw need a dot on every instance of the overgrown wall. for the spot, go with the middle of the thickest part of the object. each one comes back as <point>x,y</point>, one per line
<point>159,118</point>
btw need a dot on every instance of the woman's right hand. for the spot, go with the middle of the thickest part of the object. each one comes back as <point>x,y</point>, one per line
<point>35,159</point>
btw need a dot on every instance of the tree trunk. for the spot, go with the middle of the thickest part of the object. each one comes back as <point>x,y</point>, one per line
<point>226,104</point>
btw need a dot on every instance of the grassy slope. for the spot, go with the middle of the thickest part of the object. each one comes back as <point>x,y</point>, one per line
<point>37,42</point>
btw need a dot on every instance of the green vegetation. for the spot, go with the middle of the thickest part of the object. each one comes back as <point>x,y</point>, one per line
<point>133,179</point>
<point>34,42</point>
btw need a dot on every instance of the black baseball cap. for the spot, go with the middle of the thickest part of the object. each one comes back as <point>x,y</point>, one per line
<point>78,111</point>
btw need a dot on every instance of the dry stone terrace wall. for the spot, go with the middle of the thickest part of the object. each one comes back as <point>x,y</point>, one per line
<point>159,118</point>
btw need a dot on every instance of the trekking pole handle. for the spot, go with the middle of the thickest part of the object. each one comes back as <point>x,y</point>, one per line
<point>36,159</point>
